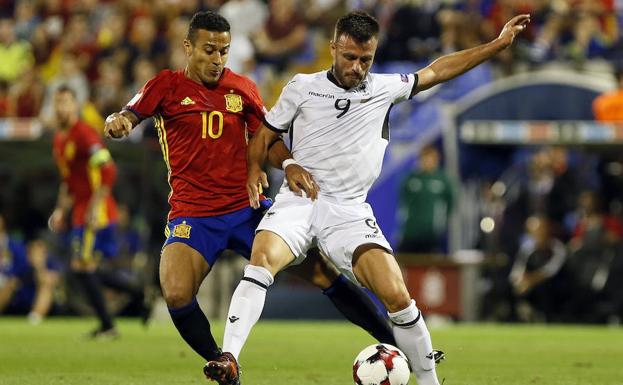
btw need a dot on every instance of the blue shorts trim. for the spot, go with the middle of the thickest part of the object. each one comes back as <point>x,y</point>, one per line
<point>210,236</point>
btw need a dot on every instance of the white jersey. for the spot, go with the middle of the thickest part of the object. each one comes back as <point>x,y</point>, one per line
<point>339,135</point>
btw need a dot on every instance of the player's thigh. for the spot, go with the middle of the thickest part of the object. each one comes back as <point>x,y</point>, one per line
<point>377,269</point>
<point>316,270</point>
<point>182,269</point>
<point>271,252</point>
<point>285,233</point>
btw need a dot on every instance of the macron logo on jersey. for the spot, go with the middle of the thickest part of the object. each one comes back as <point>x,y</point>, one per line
<point>187,101</point>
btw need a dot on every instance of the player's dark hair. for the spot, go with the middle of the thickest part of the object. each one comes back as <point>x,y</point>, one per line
<point>357,24</point>
<point>66,88</point>
<point>208,20</point>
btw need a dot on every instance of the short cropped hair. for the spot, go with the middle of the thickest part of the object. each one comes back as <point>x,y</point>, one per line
<point>357,24</point>
<point>66,88</point>
<point>207,20</point>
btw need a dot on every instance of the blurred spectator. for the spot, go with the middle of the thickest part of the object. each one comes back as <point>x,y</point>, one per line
<point>563,195</point>
<point>26,19</point>
<point>609,106</point>
<point>591,24</point>
<point>536,275</point>
<point>596,262</point>
<point>144,41</point>
<point>28,277</point>
<point>242,55</point>
<point>16,54</point>
<point>412,32</point>
<point>109,88</point>
<point>283,36</point>
<point>71,76</point>
<point>26,96</point>
<point>4,99</point>
<point>426,201</point>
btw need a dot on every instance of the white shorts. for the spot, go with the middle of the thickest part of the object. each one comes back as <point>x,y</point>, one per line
<point>337,229</point>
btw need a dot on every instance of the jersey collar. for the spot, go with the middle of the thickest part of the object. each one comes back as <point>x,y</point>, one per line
<point>334,80</point>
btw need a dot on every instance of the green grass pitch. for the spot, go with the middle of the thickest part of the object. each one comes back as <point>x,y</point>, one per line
<point>304,353</point>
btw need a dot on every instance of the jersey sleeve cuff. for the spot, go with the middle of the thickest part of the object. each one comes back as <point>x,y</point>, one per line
<point>273,128</point>
<point>415,81</point>
<point>134,112</point>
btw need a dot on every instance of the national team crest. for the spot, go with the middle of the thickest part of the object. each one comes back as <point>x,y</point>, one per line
<point>233,102</point>
<point>182,230</point>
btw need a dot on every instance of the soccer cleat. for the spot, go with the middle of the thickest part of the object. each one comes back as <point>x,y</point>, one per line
<point>224,370</point>
<point>104,334</point>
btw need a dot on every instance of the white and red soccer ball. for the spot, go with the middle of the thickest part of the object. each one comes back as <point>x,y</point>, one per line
<point>381,364</point>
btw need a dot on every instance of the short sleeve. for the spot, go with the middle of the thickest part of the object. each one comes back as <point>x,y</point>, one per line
<point>89,139</point>
<point>401,86</point>
<point>146,102</point>
<point>282,114</point>
<point>255,110</point>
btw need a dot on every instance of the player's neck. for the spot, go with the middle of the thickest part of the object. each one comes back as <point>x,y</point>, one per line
<point>69,123</point>
<point>195,78</point>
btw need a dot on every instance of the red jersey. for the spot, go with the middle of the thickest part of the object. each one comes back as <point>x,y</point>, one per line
<point>72,151</point>
<point>203,136</point>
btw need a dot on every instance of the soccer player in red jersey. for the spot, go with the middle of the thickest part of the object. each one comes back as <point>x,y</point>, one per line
<point>88,174</point>
<point>204,115</point>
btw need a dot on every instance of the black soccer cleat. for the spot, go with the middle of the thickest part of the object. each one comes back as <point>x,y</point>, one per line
<point>103,334</point>
<point>224,370</point>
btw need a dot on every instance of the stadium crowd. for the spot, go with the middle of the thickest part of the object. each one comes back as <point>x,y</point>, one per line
<point>106,50</point>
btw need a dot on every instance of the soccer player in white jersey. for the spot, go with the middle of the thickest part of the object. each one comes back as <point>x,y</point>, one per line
<point>338,124</point>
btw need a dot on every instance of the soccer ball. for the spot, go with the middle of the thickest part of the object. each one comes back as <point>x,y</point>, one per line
<point>381,364</point>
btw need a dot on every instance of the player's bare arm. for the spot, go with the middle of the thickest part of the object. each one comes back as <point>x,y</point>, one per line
<point>257,153</point>
<point>63,204</point>
<point>297,177</point>
<point>119,124</point>
<point>450,66</point>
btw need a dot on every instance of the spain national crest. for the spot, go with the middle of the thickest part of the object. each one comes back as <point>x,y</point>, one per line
<point>233,102</point>
<point>182,230</point>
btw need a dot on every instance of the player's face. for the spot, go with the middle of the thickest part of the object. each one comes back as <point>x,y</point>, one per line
<point>208,55</point>
<point>66,108</point>
<point>352,60</point>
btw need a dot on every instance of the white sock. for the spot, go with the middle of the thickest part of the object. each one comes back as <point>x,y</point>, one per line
<point>245,307</point>
<point>414,340</point>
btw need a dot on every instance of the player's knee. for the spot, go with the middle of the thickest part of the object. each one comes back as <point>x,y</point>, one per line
<point>396,300</point>
<point>265,260</point>
<point>176,295</point>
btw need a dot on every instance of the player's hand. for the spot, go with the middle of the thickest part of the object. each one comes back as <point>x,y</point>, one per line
<point>117,126</point>
<point>256,180</point>
<point>513,28</point>
<point>56,222</point>
<point>300,180</point>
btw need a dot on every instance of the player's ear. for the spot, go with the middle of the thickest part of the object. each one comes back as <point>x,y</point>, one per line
<point>188,47</point>
<point>332,48</point>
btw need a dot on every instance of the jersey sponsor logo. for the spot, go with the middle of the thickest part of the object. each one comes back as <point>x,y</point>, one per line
<point>187,101</point>
<point>372,224</point>
<point>233,319</point>
<point>368,236</point>
<point>270,213</point>
<point>233,102</point>
<point>182,230</point>
<point>328,96</point>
